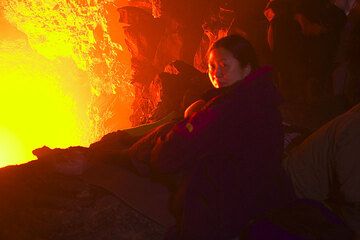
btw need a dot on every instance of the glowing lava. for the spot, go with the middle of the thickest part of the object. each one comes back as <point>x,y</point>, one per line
<point>34,108</point>
<point>9,148</point>
<point>63,79</point>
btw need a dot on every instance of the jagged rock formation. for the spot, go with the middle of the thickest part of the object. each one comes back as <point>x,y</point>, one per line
<point>161,31</point>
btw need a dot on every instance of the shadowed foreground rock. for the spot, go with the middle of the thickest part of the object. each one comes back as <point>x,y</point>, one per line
<point>38,203</point>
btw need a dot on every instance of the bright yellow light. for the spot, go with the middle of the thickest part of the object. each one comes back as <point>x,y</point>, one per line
<point>35,111</point>
<point>63,84</point>
<point>9,148</point>
<point>79,30</point>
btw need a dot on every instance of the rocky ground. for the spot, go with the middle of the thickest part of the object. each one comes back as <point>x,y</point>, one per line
<point>38,203</point>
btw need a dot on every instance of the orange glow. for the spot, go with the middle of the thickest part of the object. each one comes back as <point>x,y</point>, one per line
<point>60,71</point>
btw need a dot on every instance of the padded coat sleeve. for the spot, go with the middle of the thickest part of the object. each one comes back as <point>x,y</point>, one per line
<point>179,148</point>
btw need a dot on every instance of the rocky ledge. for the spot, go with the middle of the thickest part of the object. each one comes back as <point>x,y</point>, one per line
<point>39,203</point>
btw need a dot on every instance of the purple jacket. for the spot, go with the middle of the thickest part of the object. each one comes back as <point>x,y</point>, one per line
<point>230,154</point>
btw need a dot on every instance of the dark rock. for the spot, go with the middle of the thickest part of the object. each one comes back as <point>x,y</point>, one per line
<point>143,34</point>
<point>39,203</point>
<point>178,86</point>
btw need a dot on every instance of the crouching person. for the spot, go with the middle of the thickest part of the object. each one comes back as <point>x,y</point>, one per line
<point>326,167</point>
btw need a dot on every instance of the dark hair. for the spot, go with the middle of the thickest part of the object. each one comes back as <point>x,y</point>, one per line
<point>241,49</point>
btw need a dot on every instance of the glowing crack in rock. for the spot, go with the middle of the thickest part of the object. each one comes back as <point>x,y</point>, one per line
<point>65,82</point>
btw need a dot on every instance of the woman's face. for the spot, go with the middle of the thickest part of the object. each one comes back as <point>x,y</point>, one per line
<point>225,69</point>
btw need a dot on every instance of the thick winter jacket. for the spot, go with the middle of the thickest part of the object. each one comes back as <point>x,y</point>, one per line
<point>229,155</point>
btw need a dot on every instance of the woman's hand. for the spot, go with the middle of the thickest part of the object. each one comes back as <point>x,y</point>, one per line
<point>194,107</point>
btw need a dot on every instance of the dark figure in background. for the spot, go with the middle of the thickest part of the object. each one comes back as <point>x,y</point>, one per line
<point>287,45</point>
<point>347,73</point>
<point>304,35</point>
